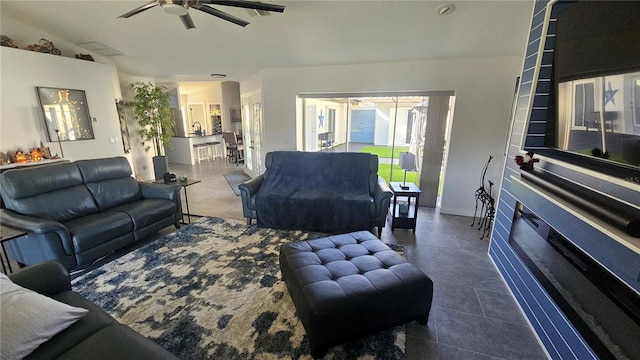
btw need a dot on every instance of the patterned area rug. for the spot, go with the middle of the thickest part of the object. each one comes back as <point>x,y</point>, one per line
<point>212,290</point>
<point>236,179</point>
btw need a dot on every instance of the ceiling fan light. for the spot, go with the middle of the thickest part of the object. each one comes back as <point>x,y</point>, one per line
<point>175,9</point>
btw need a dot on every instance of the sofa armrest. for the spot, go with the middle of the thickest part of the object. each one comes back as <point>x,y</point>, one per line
<point>38,226</point>
<point>160,191</point>
<point>382,196</point>
<point>250,188</point>
<point>47,278</point>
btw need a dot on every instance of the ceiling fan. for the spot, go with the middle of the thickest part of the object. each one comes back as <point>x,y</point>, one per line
<point>181,9</point>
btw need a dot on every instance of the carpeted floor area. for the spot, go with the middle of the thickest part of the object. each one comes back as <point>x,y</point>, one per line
<point>211,290</point>
<point>236,179</point>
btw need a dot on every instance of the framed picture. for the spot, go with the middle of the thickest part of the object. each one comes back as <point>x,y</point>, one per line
<point>66,114</point>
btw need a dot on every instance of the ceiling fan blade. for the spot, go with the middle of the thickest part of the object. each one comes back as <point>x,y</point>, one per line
<point>140,9</point>
<point>188,23</point>
<point>220,14</point>
<point>246,4</point>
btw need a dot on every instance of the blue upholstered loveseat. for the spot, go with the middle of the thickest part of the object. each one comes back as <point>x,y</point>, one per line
<point>331,192</point>
<point>78,212</point>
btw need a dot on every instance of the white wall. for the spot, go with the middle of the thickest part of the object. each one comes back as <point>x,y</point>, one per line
<point>21,123</point>
<point>483,89</point>
<point>230,100</point>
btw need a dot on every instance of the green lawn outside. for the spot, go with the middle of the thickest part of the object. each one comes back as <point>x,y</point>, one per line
<point>398,173</point>
<point>384,151</point>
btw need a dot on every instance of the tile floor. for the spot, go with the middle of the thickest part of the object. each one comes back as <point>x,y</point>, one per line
<point>473,315</point>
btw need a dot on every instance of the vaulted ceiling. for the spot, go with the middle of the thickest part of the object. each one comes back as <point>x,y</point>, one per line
<point>308,33</point>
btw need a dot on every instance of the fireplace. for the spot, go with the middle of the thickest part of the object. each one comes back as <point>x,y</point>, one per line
<point>601,307</point>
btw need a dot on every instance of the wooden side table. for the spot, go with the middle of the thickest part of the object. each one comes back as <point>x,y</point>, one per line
<point>400,219</point>
<point>8,233</point>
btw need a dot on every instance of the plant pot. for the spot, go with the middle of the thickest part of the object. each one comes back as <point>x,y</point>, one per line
<point>160,166</point>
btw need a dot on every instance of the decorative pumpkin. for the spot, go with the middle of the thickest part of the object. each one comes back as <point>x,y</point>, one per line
<point>21,157</point>
<point>36,155</point>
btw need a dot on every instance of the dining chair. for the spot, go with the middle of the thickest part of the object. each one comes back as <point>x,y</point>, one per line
<point>235,151</point>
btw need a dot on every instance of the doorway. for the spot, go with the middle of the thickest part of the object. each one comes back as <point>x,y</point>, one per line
<point>363,126</point>
<point>386,125</point>
<point>251,135</point>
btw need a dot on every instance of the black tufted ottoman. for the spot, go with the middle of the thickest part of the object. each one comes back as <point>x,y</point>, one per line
<point>350,285</point>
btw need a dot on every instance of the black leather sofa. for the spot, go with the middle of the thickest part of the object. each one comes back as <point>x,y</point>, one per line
<point>78,212</point>
<point>96,335</point>
<point>315,181</point>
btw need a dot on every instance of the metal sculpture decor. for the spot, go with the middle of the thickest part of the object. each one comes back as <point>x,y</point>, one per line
<point>486,202</point>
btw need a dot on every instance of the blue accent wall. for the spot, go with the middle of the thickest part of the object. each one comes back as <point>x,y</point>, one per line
<point>558,336</point>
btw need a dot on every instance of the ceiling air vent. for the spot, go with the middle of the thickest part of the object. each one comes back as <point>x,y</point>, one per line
<point>99,48</point>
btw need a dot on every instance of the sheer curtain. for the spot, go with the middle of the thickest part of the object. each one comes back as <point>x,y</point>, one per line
<point>433,153</point>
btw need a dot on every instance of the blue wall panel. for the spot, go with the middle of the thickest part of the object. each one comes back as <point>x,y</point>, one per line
<point>556,333</point>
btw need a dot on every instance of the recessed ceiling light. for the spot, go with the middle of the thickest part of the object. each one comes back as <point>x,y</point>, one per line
<point>445,9</point>
<point>218,76</point>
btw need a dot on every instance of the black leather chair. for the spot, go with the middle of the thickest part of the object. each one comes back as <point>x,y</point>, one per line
<point>378,189</point>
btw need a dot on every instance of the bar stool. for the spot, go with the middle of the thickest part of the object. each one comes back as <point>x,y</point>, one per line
<point>214,149</point>
<point>201,152</point>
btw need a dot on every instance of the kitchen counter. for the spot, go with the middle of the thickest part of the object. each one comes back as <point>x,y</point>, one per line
<point>192,135</point>
<point>183,151</point>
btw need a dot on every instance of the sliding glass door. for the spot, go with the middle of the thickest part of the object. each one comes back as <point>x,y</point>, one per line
<point>383,125</point>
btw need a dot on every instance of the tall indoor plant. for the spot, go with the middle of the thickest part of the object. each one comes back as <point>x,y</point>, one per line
<point>154,116</point>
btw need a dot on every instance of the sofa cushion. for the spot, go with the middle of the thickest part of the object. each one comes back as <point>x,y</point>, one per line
<point>117,342</point>
<point>92,230</point>
<point>95,320</point>
<point>114,192</point>
<point>146,211</point>
<point>53,192</point>
<point>104,169</point>
<point>26,182</point>
<point>30,319</point>
<point>109,181</point>
<point>60,205</point>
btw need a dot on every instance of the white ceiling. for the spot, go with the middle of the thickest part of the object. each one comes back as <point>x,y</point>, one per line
<point>308,33</point>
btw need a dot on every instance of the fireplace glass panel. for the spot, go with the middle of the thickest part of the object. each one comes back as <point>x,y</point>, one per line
<point>603,309</point>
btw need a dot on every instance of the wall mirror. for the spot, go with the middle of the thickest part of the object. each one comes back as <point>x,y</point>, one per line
<point>66,114</point>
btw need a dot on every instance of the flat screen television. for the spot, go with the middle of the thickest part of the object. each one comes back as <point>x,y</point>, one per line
<point>593,117</point>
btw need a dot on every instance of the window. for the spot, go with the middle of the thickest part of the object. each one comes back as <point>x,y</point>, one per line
<point>636,101</point>
<point>383,124</point>
<point>584,105</point>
